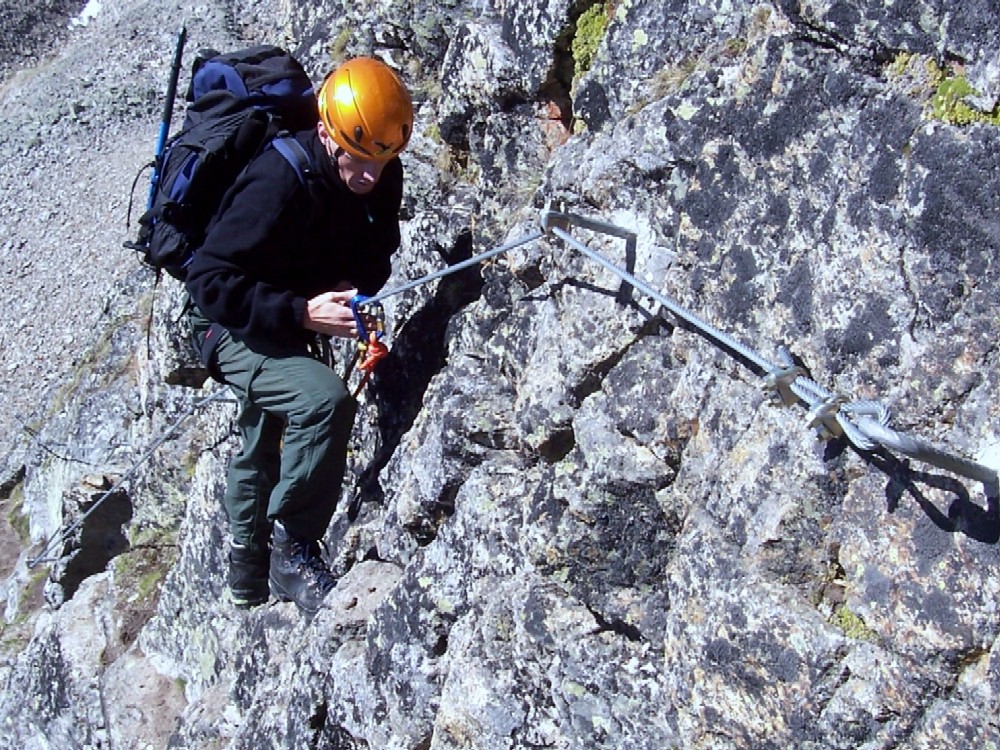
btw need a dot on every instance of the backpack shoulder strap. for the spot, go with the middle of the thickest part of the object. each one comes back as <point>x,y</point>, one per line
<point>295,154</point>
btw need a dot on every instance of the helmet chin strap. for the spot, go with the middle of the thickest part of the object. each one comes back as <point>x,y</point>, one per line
<point>328,141</point>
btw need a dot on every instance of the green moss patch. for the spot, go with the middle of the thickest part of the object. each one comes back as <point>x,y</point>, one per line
<point>590,28</point>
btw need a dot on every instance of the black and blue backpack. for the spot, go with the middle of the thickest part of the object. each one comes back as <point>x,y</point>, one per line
<point>239,103</point>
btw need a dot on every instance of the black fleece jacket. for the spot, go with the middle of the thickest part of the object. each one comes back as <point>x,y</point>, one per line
<point>276,243</point>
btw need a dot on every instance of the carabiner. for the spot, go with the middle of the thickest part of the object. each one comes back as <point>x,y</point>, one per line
<point>375,310</point>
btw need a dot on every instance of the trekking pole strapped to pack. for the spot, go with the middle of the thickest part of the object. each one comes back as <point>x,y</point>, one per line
<point>168,114</point>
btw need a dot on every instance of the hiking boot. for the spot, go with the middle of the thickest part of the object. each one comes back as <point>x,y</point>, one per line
<point>298,572</point>
<point>248,568</point>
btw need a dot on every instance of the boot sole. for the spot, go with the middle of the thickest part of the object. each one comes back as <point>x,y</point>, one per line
<point>247,601</point>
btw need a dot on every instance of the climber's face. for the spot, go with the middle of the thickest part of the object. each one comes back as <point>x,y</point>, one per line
<point>360,175</point>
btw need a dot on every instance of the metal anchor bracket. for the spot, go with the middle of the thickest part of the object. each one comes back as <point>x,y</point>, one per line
<point>561,221</point>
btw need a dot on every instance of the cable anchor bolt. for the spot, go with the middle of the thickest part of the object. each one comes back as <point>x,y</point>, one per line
<point>552,218</point>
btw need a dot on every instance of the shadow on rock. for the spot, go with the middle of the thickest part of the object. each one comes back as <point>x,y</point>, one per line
<point>417,356</point>
<point>963,515</point>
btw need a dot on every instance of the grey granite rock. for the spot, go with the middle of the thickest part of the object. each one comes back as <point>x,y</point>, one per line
<point>570,520</point>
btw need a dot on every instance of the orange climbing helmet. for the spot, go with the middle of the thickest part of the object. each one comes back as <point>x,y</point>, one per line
<point>366,109</point>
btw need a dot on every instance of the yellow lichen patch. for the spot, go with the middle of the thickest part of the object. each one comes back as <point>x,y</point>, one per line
<point>852,625</point>
<point>943,89</point>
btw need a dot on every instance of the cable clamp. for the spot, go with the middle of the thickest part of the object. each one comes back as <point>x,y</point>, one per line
<point>823,417</point>
<point>779,383</point>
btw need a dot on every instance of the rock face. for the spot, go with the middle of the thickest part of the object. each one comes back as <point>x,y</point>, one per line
<point>571,520</point>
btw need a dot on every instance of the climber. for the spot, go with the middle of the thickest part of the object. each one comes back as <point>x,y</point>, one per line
<point>279,266</point>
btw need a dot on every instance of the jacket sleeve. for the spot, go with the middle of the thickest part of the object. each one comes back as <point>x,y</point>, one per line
<point>228,278</point>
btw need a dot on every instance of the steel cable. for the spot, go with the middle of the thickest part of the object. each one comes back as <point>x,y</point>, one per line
<point>63,535</point>
<point>475,259</point>
<point>829,413</point>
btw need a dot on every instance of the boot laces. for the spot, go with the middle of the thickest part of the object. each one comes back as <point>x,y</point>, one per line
<point>309,557</point>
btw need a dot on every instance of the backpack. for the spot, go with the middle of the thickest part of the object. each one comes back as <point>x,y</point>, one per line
<point>238,104</point>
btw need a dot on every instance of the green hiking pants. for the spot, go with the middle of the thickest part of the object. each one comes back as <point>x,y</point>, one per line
<point>295,420</point>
